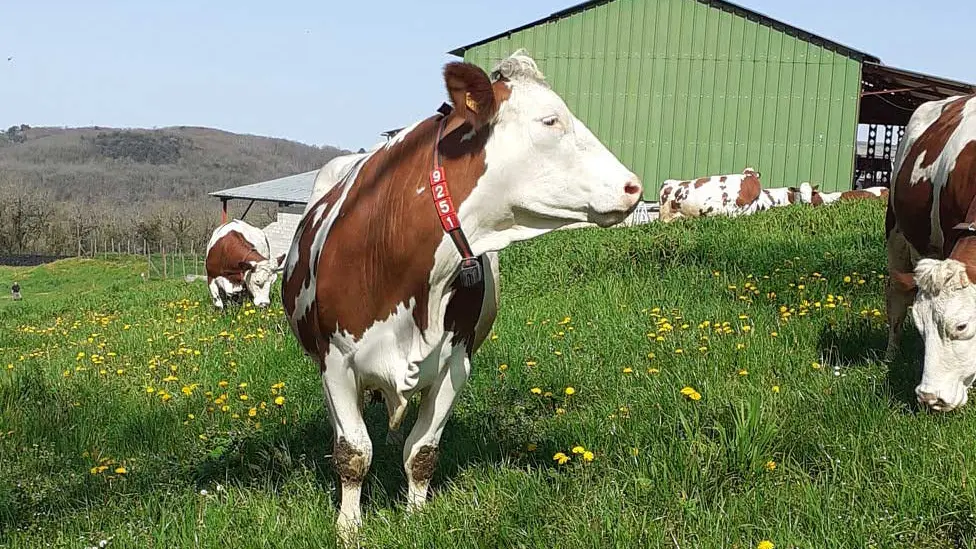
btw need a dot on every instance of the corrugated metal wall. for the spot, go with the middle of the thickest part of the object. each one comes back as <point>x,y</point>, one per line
<point>681,89</point>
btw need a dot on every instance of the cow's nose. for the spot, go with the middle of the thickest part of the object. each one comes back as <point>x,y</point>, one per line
<point>932,400</point>
<point>633,186</point>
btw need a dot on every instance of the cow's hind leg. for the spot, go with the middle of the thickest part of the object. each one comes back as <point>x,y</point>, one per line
<point>420,451</point>
<point>898,294</point>
<point>353,450</point>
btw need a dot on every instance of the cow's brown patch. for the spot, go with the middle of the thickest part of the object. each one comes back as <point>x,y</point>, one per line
<point>349,462</point>
<point>957,204</point>
<point>725,198</point>
<point>380,249</point>
<point>723,178</point>
<point>748,191</point>
<point>666,193</point>
<point>307,325</point>
<point>461,316</point>
<point>913,200</point>
<point>424,463</point>
<point>857,194</point>
<point>229,257</point>
<point>701,181</point>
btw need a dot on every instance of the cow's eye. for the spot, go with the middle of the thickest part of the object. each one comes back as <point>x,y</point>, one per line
<point>550,120</point>
<point>962,327</point>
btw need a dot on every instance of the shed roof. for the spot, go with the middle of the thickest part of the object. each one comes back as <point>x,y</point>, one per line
<point>293,189</point>
<point>720,4</point>
<point>889,95</point>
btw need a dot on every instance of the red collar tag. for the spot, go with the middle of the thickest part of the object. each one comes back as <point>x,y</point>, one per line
<point>441,196</point>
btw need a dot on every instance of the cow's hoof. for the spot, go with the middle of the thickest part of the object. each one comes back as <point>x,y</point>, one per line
<point>348,529</point>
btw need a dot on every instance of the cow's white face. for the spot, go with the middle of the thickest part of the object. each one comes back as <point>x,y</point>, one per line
<point>259,280</point>
<point>546,165</point>
<point>945,316</point>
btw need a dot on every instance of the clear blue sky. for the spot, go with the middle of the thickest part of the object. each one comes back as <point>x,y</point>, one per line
<point>339,72</point>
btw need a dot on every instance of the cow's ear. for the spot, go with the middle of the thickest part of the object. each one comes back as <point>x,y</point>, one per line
<point>903,281</point>
<point>280,259</point>
<point>471,93</point>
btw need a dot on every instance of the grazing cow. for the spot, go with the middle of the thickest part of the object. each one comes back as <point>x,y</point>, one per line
<point>931,239</point>
<point>238,262</point>
<point>818,198</point>
<point>731,195</point>
<point>391,281</point>
<point>15,291</point>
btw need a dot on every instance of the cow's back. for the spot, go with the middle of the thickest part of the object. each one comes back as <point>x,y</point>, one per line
<point>935,175</point>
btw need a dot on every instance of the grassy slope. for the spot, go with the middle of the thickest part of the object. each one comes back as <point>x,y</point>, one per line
<point>856,464</point>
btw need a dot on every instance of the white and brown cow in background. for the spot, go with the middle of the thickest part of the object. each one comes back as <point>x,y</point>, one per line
<point>931,240</point>
<point>729,195</point>
<point>239,264</point>
<point>818,198</point>
<point>371,286</point>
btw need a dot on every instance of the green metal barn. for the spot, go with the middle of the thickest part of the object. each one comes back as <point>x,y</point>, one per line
<point>686,88</point>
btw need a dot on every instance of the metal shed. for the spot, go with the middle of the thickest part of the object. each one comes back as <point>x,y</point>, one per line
<point>686,88</point>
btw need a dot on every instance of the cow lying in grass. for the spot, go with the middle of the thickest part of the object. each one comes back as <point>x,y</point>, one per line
<point>238,264</point>
<point>729,195</point>
<point>818,198</point>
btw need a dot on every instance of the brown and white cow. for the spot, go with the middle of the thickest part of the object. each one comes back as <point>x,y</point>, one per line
<point>371,284</point>
<point>729,195</point>
<point>931,240</point>
<point>238,263</point>
<point>869,193</point>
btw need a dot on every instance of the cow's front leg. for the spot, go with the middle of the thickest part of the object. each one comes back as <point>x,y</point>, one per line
<point>420,451</point>
<point>215,294</point>
<point>353,450</point>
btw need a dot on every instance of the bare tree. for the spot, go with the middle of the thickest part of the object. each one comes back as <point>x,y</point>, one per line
<point>23,220</point>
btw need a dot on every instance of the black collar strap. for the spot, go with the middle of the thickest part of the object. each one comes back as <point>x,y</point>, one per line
<point>471,271</point>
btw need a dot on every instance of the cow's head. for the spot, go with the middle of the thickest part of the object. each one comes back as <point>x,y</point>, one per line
<point>544,168</point>
<point>751,171</point>
<point>804,193</point>
<point>945,316</point>
<point>260,276</point>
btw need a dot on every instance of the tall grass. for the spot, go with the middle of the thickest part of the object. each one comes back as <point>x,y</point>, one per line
<point>790,429</point>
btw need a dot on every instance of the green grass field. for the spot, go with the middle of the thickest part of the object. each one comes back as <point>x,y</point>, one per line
<point>726,382</point>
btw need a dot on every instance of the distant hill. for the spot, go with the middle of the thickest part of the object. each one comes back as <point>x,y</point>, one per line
<point>175,164</point>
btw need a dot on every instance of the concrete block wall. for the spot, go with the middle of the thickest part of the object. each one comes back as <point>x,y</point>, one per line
<point>281,231</point>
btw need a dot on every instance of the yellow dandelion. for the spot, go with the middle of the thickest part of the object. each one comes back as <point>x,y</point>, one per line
<point>691,393</point>
<point>570,391</point>
<point>747,328</point>
<point>535,391</point>
<point>279,401</point>
<point>773,334</point>
<point>765,544</point>
<point>771,465</point>
<point>743,372</point>
<point>628,370</point>
<point>775,388</point>
<point>531,363</point>
<point>530,447</point>
<point>120,470</point>
<point>679,351</point>
<point>817,366</point>
<point>588,456</point>
<point>252,412</point>
<point>560,458</point>
<point>578,449</point>
<point>243,397</point>
<point>560,411</point>
<point>653,371</point>
<point>502,367</point>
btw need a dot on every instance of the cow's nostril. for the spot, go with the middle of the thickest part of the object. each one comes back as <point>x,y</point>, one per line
<point>632,188</point>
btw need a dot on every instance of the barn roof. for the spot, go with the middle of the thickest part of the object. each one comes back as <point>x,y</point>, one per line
<point>889,95</point>
<point>290,190</point>
<point>720,4</point>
